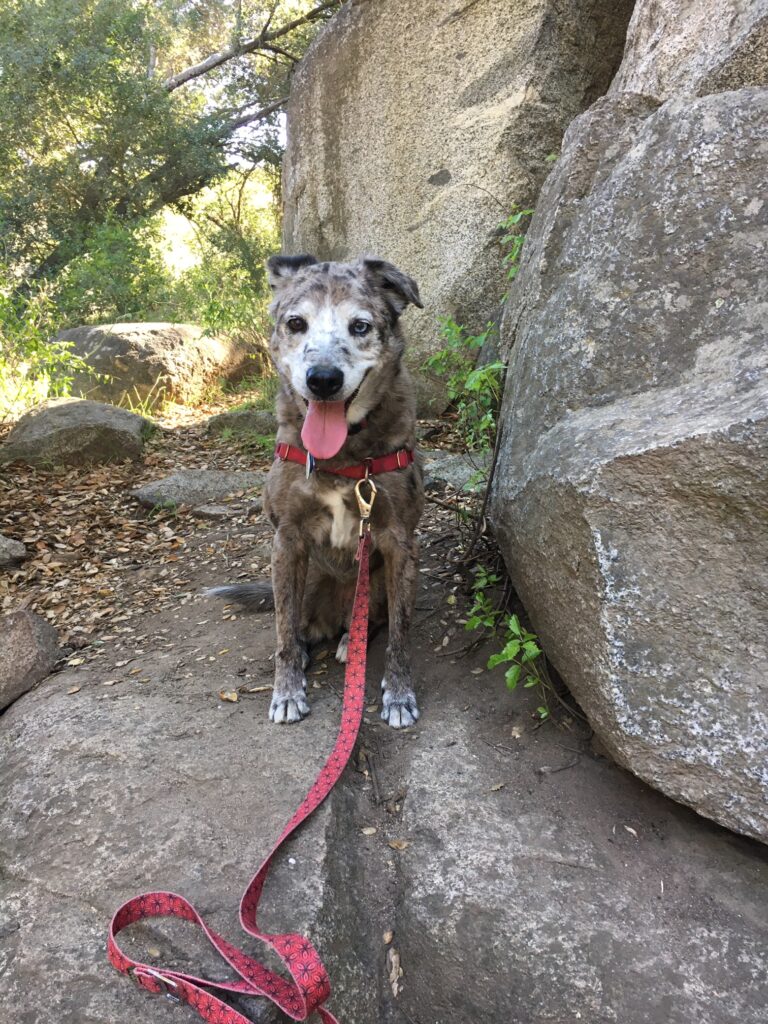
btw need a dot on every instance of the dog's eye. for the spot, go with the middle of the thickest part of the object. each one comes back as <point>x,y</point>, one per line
<point>359,327</point>
<point>296,324</point>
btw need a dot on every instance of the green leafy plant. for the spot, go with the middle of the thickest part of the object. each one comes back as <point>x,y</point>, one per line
<point>512,241</point>
<point>520,648</point>
<point>474,391</point>
<point>33,364</point>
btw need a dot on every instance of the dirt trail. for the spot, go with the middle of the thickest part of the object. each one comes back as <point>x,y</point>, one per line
<point>523,877</point>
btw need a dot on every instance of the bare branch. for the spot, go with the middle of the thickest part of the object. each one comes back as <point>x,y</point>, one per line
<point>240,49</point>
<point>271,48</point>
<point>240,122</point>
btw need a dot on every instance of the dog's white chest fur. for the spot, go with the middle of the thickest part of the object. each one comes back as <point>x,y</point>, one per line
<point>344,526</point>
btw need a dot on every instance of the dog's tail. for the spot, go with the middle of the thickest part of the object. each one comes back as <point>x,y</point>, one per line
<point>251,597</point>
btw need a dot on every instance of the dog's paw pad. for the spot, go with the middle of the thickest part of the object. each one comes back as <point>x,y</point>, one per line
<point>286,710</point>
<point>400,711</point>
<point>341,650</point>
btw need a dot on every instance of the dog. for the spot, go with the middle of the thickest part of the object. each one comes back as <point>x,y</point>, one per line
<point>345,397</point>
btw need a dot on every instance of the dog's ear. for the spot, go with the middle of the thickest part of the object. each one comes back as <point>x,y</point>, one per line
<point>398,288</point>
<point>280,269</point>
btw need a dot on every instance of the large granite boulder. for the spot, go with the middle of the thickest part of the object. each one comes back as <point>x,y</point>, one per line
<point>696,47</point>
<point>631,494</point>
<point>73,432</point>
<point>29,649</point>
<point>414,128</point>
<point>152,362</point>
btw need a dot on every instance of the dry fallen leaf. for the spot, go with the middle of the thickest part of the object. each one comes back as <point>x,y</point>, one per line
<point>399,844</point>
<point>497,787</point>
<point>229,695</point>
<point>387,937</point>
<point>110,682</point>
<point>369,830</point>
<point>75,661</point>
<point>394,970</point>
<point>73,689</point>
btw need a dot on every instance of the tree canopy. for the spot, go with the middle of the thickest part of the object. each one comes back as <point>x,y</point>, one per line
<point>111,110</point>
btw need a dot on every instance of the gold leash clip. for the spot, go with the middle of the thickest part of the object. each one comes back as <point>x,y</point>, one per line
<point>364,505</point>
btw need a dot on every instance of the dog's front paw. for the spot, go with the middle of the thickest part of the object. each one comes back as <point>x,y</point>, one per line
<point>289,701</point>
<point>342,649</point>
<point>287,709</point>
<point>400,707</point>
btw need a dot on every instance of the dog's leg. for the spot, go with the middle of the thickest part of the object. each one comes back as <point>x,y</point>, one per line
<point>289,573</point>
<point>399,700</point>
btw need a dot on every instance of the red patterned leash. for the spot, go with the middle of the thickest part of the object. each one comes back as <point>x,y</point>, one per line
<point>309,986</point>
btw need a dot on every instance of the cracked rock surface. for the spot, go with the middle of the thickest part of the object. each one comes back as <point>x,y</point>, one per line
<point>523,878</point>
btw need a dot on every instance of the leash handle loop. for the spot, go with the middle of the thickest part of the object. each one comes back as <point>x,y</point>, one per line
<point>309,985</point>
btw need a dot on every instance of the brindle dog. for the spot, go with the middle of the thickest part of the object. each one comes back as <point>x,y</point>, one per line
<point>345,396</point>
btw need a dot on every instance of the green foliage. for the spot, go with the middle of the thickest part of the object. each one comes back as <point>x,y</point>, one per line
<point>265,387</point>
<point>32,365</point>
<point>512,241</point>
<point>236,227</point>
<point>110,110</point>
<point>483,614</point>
<point>474,391</point>
<point>119,277</point>
<point>520,648</point>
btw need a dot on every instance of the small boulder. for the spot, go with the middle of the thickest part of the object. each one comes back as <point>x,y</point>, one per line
<point>11,551</point>
<point>243,421</point>
<point>464,472</point>
<point>73,432</point>
<point>28,652</point>
<point>152,362</point>
<point>194,487</point>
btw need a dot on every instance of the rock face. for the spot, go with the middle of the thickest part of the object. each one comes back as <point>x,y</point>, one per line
<point>11,551</point>
<point>532,884</point>
<point>631,493</point>
<point>414,128</point>
<point>72,432</point>
<point>195,487</point>
<point>697,47</point>
<point>28,651</point>
<point>151,362</point>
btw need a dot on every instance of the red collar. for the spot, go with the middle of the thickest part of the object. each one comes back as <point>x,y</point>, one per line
<point>384,464</point>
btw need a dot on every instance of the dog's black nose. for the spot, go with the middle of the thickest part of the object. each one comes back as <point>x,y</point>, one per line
<point>324,381</point>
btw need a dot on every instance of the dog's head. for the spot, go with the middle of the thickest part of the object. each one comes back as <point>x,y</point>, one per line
<point>335,334</point>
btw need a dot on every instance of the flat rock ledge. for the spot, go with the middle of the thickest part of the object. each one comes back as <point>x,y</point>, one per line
<point>195,487</point>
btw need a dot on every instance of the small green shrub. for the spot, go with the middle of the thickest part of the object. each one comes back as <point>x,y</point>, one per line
<point>519,647</point>
<point>512,241</point>
<point>474,391</point>
<point>33,366</point>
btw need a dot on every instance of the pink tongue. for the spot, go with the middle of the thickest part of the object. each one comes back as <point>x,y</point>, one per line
<point>325,429</point>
